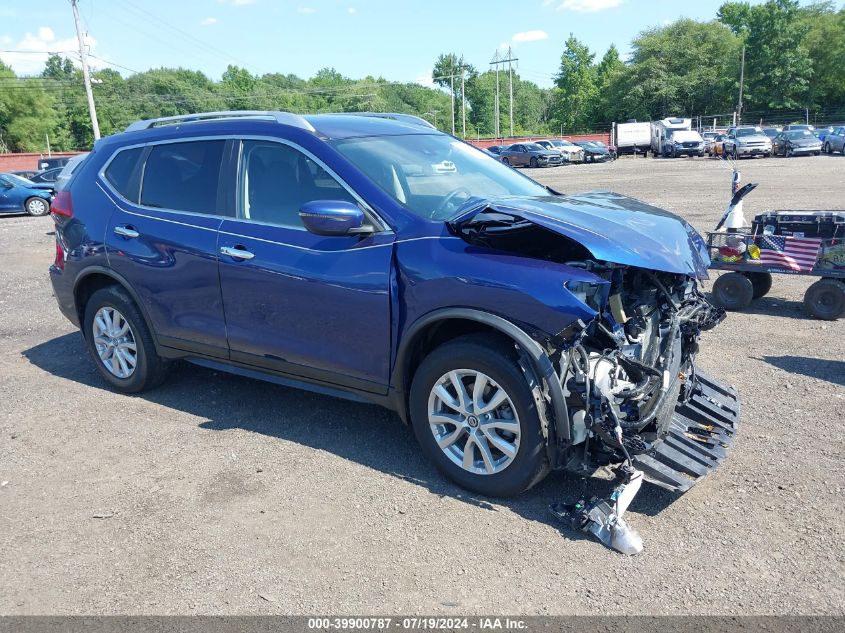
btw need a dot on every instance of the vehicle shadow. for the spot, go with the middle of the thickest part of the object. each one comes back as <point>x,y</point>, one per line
<point>771,306</point>
<point>832,371</point>
<point>364,433</point>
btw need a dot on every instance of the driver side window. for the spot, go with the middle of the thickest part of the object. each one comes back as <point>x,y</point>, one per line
<point>276,180</point>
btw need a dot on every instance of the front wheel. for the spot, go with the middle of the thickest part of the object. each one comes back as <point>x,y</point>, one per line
<point>506,161</point>
<point>37,206</point>
<point>827,148</point>
<point>533,162</point>
<point>825,299</point>
<point>760,282</point>
<point>733,291</point>
<point>475,417</point>
<point>119,342</point>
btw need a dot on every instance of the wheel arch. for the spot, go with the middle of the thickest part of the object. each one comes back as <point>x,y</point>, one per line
<point>96,278</point>
<point>440,326</point>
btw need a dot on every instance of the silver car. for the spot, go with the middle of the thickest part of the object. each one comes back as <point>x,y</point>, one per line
<point>835,141</point>
<point>747,141</point>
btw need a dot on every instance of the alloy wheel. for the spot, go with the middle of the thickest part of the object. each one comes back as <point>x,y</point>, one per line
<point>115,342</point>
<point>474,421</point>
<point>37,206</point>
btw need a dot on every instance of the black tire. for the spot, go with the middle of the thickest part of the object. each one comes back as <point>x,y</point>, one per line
<point>36,206</point>
<point>761,282</point>
<point>733,291</point>
<point>825,299</point>
<point>505,160</point>
<point>150,369</point>
<point>827,148</point>
<point>495,359</point>
<point>788,153</point>
<point>817,153</point>
<point>734,155</point>
<point>533,162</point>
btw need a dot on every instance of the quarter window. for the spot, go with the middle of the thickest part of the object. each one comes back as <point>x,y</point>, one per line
<point>183,176</point>
<point>276,180</point>
<point>124,173</point>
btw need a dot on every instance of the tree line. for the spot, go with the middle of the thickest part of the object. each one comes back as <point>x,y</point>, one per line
<point>794,60</point>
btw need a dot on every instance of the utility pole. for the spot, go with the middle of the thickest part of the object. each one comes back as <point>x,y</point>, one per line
<point>463,100</point>
<point>452,79</point>
<point>741,84</point>
<point>86,75</point>
<point>495,63</point>
<point>509,61</point>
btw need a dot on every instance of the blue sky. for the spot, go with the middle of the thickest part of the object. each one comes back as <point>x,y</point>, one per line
<point>398,40</point>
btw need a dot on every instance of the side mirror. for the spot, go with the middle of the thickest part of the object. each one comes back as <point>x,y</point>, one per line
<point>8,185</point>
<point>333,217</point>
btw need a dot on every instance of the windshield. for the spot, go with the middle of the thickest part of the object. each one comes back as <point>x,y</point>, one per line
<point>408,169</point>
<point>17,180</point>
<point>793,135</point>
<point>748,131</point>
<point>770,132</point>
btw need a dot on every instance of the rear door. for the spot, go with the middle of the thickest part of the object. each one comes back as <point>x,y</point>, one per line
<point>312,306</point>
<point>162,237</point>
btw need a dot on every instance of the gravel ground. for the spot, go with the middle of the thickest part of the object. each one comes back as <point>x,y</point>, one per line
<point>221,495</point>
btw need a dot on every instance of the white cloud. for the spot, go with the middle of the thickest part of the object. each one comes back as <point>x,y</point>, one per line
<point>352,10</point>
<point>35,48</point>
<point>424,79</point>
<point>208,21</point>
<point>306,10</point>
<point>530,36</point>
<point>584,6</point>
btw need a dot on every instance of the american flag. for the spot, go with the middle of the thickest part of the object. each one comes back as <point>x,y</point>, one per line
<point>795,253</point>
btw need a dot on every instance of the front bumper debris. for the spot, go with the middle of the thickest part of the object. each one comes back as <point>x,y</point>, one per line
<point>701,432</point>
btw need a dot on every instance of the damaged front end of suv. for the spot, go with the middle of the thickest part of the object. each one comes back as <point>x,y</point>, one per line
<point>634,400</point>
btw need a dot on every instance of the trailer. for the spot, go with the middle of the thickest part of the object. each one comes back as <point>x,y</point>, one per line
<point>631,137</point>
<point>786,242</point>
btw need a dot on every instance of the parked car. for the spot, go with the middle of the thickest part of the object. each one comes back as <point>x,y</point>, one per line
<point>325,252</point>
<point>594,153</point>
<point>68,169</point>
<point>835,141</point>
<point>771,132</point>
<point>683,143</point>
<point>822,132</point>
<point>496,149</point>
<point>794,142</point>
<point>25,173</point>
<point>747,141</point>
<point>569,152</point>
<point>52,163</point>
<point>530,155</point>
<point>47,176</point>
<point>19,195</point>
<point>798,126</point>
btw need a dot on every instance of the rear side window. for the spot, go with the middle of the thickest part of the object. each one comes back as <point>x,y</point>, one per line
<point>183,176</point>
<point>124,173</point>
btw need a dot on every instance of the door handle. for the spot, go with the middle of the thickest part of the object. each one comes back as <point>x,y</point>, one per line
<point>126,231</point>
<point>236,252</point>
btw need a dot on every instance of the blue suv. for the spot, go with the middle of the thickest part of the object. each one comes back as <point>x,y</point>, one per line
<point>372,257</point>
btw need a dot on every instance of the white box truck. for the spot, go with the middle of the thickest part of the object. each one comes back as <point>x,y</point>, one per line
<point>673,137</point>
<point>631,137</point>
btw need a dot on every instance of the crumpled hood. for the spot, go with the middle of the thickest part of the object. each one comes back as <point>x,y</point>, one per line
<point>804,142</point>
<point>614,228</point>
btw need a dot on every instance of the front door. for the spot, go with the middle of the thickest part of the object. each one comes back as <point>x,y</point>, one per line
<point>311,306</point>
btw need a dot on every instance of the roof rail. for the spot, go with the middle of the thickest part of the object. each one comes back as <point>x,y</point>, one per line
<point>285,118</point>
<point>396,116</point>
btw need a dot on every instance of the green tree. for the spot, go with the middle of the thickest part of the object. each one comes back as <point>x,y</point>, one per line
<point>575,87</point>
<point>610,72</point>
<point>778,68</point>
<point>27,113</point>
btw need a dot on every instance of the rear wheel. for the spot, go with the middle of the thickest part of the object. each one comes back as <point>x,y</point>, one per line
<point>37,206</point>
<point>475,417</point>
<point>827,149</point>
<point>733,291</point>
<point>505,160</point>
<point>825,299</point>
<point>533,162</point>
<point>120,343</point>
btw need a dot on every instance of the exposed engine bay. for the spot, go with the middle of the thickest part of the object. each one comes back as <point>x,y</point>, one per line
<point>634,400</point>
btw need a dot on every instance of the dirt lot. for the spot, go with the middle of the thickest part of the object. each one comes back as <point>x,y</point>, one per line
<point>219,494</point>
